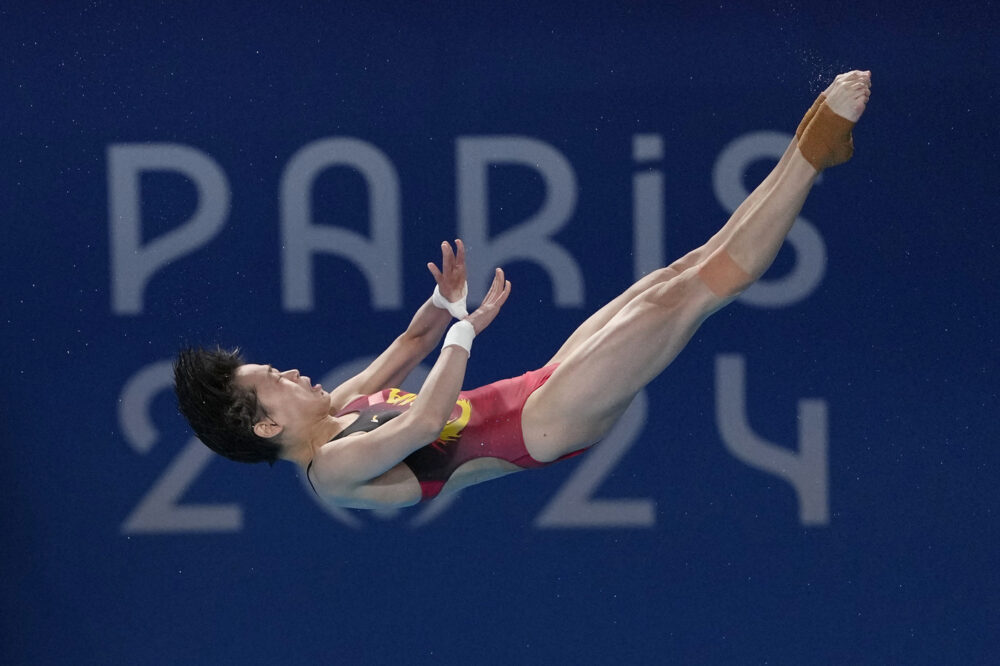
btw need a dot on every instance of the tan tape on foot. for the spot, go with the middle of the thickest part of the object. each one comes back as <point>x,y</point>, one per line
<point>723,275</point>
<point>809,116</point>
<point>827,141</point>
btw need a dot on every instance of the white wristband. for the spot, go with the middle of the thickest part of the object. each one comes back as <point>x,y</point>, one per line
<point>456,309</point>
<point>461,334</point>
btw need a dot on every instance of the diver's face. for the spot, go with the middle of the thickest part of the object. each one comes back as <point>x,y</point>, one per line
<point>288,398</point>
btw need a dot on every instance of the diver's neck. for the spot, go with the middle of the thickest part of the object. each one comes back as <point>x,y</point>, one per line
<point>303,449</point>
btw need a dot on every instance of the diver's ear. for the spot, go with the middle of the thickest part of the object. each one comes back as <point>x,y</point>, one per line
<point>267,429</point>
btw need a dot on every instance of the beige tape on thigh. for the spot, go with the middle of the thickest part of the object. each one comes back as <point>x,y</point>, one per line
<point>723,275</point>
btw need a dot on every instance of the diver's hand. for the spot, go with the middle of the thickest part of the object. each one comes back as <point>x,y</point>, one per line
<point>490,307</point>
<point>451,278</point>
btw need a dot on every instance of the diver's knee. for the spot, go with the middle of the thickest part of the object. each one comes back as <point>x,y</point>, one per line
<point>723,276</point>
<point>666,274</point>
<point>681,291</point>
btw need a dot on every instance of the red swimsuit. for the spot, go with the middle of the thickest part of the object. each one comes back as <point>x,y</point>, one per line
<point>486,423</point>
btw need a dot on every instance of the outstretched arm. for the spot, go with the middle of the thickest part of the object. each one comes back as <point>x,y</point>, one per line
<point>420,337</point>
<point>355,460</point>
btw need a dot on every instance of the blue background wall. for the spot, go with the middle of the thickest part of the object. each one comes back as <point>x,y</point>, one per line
<point>123,542</point>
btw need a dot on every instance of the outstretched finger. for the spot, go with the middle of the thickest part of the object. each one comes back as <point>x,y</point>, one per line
<point>496,289</point>
<point>460,252</point>
<point>434,271</point>
<point>504,294</point>
<point>447,257</point>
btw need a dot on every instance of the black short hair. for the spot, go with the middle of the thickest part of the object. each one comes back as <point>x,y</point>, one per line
<point>221,413</point>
